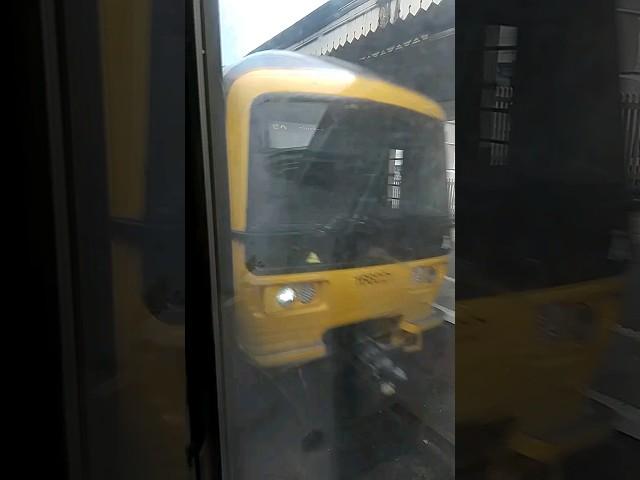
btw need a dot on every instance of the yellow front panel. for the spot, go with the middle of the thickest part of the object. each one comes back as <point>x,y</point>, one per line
<point>274,335</point>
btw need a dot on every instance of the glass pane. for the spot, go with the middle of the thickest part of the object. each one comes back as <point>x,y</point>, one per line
<point>546,296</point>
<point>132,351</point>
<point>341,166</point>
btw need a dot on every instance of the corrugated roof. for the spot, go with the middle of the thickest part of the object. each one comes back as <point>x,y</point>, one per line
<point>337,23</point>
<point>319,18</point>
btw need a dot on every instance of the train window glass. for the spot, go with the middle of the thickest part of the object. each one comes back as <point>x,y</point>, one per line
<point>126,81</point>
<point>327,167</point>
<point>547,309</point>
<point>336,326</point>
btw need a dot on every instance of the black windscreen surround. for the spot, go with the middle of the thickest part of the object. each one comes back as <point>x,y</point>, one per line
<point>354,182</point>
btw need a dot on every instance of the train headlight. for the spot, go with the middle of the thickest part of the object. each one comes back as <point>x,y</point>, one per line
<point>303,293</point>
<point>424,274</point>
<point>286,296</point>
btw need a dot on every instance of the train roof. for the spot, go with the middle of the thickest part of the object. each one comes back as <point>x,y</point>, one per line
<point>285,59</point>
<point>288,60</point>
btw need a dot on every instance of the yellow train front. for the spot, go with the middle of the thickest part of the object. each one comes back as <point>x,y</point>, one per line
<point>338,206</point>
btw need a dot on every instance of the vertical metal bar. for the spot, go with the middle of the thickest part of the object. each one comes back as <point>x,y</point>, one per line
<point>76,467</point>
<point>630,110</point>
<point>634,140</point>
<point>211,111</point>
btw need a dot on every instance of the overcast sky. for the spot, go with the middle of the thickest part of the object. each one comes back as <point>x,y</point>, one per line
<point>246,24</point>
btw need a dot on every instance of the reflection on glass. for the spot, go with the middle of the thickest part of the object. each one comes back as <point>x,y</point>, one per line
<point>132,276</point>
<point>543,249</point>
